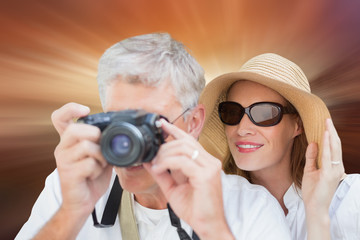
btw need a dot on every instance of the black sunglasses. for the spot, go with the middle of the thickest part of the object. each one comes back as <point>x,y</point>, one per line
<point>263,114</point>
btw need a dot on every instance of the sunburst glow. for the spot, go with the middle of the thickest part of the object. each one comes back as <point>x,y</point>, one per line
<point>49,52</point>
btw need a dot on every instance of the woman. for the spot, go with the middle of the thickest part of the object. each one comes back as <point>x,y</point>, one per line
<point>259,122</point>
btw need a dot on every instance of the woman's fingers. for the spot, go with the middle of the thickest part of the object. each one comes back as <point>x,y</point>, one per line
<point>335,143</point>
<point>326,157</point>
<point>332,163</point>
<point>332,154</point>
<point>311,154</point>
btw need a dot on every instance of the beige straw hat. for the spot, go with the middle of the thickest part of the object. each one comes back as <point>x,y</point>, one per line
<point>277,73</point>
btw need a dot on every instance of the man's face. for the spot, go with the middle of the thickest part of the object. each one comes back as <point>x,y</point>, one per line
<point>160,100</point>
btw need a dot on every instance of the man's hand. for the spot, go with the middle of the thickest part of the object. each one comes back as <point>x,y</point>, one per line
<point>193,184</point>
<point>84,173</point>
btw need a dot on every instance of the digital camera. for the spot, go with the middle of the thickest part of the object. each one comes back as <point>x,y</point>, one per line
<point>128,137</point>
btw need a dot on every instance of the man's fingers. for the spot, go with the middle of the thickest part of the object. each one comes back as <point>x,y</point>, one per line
<point>311,154</point>
<point>187,166</point>
<point>89,168</point>
<point>83,150</point>
<point>64,116</point>
<point>176,148</point>
<point>75,133</point>
<point>164,179</point>
<point>172,130</point>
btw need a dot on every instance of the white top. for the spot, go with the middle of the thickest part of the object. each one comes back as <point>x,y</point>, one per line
<point>250,210</point>
<point>344,211</point>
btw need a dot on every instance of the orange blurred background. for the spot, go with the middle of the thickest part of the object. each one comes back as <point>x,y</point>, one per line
<point>49,52</point>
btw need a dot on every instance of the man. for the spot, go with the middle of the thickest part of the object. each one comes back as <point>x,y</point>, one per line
<point>155,73</point>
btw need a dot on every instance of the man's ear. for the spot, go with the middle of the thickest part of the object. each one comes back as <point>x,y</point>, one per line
<point>196,120</point>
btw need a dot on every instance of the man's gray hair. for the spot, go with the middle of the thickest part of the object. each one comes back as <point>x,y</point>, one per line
<point>152,59</point>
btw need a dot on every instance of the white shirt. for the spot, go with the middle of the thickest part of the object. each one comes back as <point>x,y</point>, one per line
<point>344,211</point>
<point>250,210</point>
<point>155,224</point>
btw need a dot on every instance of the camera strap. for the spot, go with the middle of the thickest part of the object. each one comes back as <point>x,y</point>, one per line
<point>111,207</point>
<point>120,202</point>
<point>175,222</point>
<point>128,225</point>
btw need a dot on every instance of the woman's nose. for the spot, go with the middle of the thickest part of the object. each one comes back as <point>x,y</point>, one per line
<point>245,126</point>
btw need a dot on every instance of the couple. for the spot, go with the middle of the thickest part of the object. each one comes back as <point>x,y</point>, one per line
<point>153,72</point>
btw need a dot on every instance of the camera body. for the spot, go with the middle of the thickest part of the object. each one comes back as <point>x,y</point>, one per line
<point>128,137</point>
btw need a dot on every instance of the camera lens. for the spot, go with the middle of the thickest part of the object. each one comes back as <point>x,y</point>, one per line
<point>131,138</point>
<point>121,145</point>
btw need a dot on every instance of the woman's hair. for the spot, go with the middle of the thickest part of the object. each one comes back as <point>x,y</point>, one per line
<point>152,59</point>
<point>297,161</point>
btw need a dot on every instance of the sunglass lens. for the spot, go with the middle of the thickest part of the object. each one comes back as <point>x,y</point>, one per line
<point>265,114</point>
<point>230,113</point>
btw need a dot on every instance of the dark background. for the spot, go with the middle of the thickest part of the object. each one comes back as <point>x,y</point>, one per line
<point>49,52</point>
